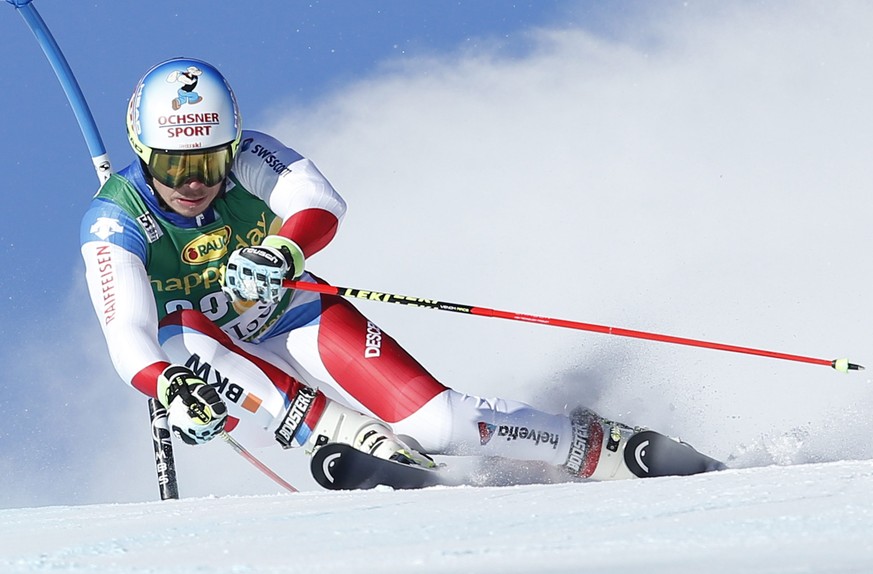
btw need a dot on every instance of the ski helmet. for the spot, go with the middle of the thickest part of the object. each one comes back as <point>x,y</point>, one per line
<point>183,122</point>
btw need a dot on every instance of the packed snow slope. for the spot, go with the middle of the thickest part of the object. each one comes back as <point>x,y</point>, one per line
<point>805,518</point>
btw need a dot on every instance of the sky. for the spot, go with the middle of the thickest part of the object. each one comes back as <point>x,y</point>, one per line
<point>685,168</point>
<point>812,518</point>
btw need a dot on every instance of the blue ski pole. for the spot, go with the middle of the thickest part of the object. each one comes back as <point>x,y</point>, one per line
<point>34,21</point>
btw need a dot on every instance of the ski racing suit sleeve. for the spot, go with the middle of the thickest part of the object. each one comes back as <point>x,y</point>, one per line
<point>293,187</point>
<point>113,248</point>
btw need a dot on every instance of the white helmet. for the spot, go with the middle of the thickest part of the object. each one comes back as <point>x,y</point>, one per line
<point>184,123</point>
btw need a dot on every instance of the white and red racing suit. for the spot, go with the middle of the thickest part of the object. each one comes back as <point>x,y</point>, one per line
<point>155,282</point>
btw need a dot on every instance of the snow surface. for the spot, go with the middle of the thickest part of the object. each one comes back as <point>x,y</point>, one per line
<point>804,518</point>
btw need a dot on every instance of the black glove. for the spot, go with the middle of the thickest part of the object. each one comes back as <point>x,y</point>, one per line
<point>195,412</point>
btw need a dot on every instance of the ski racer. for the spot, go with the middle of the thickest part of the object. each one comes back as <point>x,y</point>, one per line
<point>185,252</point>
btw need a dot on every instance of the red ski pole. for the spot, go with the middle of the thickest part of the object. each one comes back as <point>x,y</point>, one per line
<point>842,365</point>
<point>241,450</point>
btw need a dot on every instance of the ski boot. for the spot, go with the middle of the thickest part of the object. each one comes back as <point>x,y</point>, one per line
<point>609,450</point>
<point>338,423</point>
<point>597,452</point>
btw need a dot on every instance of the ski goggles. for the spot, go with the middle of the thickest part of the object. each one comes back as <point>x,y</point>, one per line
<point>175,168</point>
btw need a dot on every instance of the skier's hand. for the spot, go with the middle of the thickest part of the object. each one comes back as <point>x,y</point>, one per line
<point>256,273</point>
<point>194,410</point>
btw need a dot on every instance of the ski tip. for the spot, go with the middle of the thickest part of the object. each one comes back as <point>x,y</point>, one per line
<point>844,366</point>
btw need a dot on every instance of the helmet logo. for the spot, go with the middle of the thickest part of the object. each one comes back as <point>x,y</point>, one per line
<point>187,93</point>
<point>189,125</point>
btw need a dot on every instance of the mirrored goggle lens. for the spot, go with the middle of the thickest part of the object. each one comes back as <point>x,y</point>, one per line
<point>175,168</point>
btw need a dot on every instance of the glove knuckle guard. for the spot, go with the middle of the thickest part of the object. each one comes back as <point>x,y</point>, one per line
<point>256,273</point>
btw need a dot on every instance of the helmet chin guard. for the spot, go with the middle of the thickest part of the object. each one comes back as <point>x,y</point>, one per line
<point>182,105</point>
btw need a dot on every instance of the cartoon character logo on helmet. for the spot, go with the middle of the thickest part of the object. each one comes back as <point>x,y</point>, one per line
<point>181,105</point>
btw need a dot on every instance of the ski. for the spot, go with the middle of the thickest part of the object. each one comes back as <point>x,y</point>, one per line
<point>342,467</point>
<point>649,454</point>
